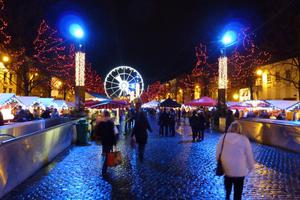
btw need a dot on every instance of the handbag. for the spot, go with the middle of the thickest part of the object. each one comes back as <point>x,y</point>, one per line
<point>220,169</point>
<point>114,158</point>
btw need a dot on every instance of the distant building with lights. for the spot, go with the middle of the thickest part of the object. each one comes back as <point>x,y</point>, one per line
<point>8,80</point>
<point>275,81</point>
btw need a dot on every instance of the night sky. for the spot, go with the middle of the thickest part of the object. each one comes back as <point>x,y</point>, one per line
<point>157,37</point>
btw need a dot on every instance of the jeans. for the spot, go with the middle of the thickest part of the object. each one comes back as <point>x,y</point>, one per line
<point>141,149</point>
<point>238,183</point>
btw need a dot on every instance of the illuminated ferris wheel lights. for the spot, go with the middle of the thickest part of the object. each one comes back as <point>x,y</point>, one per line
<point>123,81</point>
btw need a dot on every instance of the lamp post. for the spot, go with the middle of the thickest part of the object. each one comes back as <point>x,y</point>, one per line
<point>228,39</point>
<point>78,33</point>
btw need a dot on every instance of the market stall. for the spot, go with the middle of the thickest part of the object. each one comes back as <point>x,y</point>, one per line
<point>170,103</point>
<point>203,101</point>
<point>151,104</point>
<point>8,102</point>
<point>28,102</point>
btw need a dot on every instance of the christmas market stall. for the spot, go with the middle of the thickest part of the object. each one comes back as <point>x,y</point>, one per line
<point>46,103</point>
<point>203,101</point>
<point>170,103</point>
<point>151,104</point>
<point>8,102</point>
<point>28,102</point>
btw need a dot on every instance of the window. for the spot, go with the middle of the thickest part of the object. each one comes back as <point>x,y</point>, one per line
<point>277,75</point>
<point>10,78</point>
<point>4,76</point>
<point>269,78</point>
<point>4,89</point>
<point>10,90</point>
<point>288,74</point>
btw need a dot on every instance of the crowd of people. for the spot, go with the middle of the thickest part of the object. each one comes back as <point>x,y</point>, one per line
<point>23,115</point>
<point>233,149</point>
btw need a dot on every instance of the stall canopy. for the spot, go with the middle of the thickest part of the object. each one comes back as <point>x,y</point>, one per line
<point>203,101</point>
<point>110,104</point>
<point>6,97</point>
<point>71,104</point>
<point>256,103</point>
<point>151,104</point>
<point>95,96</point>
<point>238,105</point>
<point>28,100</point>
<point>60,104</point>
<point>46,102</point>
<point>170,103</point>
<point>282,104</point>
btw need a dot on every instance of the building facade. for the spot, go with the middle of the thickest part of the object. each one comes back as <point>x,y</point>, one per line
<point>275,81</point>
<point>8,80</point>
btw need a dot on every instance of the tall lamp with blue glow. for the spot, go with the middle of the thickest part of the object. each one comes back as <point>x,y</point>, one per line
<point>77,31</point>
<point>228,39</point>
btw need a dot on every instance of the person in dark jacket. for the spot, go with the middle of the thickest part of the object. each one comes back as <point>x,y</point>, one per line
<point>229,119</point>
<point>163,123</point>
<point>46,114</point>
<point>201,122</point>
<point>105,131</point>
<point>140,132</point>
<point>194,125</point>
<point>1,119</point>
<point>172,122</point>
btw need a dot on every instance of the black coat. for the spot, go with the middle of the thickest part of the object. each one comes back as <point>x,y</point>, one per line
<point>1,119</point>
<point>104,130</point>
<point>163,119</point>
<point>140,128</point>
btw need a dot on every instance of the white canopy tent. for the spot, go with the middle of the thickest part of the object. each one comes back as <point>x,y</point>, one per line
<point>282,104</point>
<point>28,101</point>
<point>151,104</point>
<point>60,104</point>
<point>5,97</point>
<point>46,102</point>
<point>7,102</point>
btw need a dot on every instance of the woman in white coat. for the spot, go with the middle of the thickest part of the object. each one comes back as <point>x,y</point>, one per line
<point>237,159</point>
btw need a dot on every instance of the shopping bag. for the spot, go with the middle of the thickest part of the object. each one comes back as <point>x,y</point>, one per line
<point>114,158</point>
<point>219,169</point>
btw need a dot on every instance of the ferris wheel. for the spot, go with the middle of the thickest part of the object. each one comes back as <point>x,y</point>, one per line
<point>123,81</point>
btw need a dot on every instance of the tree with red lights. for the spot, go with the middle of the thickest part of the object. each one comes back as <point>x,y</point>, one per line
<point>204,71</point>
<point>152,92</point>
<point>50,54</point>
<point>4,37</point>
<point>93,82</point>
<point>245,60</point>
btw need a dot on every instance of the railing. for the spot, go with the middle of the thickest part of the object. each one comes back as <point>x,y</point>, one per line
<point>279,133</point>
<point>22,156</point>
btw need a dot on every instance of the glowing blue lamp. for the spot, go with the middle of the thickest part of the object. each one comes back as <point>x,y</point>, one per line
<point>76,30</point>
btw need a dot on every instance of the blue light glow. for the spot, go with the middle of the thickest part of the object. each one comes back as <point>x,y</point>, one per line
<point>76,31</point>
<point>229,38</point>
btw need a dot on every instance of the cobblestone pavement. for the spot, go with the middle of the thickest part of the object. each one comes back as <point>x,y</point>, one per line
<point>174,168</point>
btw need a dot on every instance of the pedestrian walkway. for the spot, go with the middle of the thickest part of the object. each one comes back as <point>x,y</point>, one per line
<point>174,168</point>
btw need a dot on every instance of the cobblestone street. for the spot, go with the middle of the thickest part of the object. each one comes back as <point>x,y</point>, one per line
<point>174,168</point>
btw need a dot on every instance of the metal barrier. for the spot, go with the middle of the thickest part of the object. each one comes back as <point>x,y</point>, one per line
<point>21,157</point>
<point>22,128</point>
<point>283,134</point>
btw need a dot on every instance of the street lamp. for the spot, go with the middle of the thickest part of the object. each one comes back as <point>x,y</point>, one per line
<point>5,59</point>
<point>228,39</point>
<point>77,32</point>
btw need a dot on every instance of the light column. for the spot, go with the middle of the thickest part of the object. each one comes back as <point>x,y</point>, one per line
<point>79,79</point>
<point>222,82</point>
